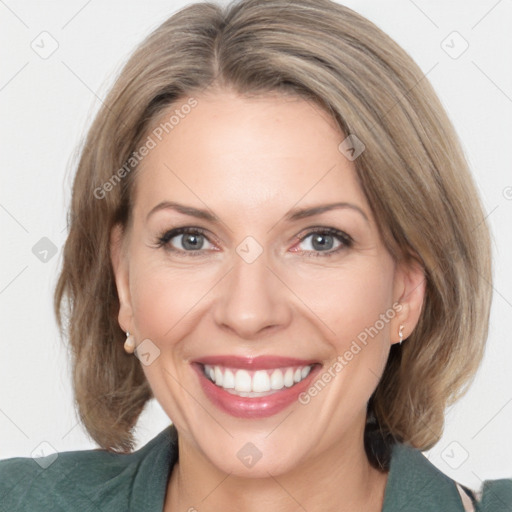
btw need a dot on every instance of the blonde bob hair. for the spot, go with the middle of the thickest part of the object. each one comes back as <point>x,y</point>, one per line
<point>413,172</point>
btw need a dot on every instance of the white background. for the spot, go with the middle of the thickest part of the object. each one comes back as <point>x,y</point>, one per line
<point>46,107</point>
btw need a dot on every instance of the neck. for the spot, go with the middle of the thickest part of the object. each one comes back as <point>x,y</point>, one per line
<point>340,479</point>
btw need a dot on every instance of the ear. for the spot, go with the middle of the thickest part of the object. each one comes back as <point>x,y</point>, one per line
<point>121,274</point>
<point>409,293</point>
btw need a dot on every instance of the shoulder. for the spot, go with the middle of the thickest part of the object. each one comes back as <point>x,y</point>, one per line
<point>414,483</point>
<point>79,480</point>
<point>65,481</point>
<point>496,496</point>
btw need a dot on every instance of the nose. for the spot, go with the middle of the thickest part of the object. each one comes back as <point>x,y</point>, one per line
<point>252,300</point>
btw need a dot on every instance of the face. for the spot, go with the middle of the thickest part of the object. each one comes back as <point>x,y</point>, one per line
<point>255,276</point>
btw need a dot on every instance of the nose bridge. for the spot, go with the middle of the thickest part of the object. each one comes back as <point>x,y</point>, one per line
<point>251,297</point>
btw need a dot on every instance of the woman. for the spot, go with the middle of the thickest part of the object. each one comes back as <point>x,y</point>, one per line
<point>274,233</point>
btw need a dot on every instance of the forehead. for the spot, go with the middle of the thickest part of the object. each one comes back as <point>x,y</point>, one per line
<point>239,153</point>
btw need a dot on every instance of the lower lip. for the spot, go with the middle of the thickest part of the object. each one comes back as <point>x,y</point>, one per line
<point>257,407</point>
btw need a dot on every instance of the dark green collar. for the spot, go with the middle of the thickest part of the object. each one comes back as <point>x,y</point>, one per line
<point>414,483</point>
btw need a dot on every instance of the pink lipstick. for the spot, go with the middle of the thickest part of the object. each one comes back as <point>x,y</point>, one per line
<point>254,387</point>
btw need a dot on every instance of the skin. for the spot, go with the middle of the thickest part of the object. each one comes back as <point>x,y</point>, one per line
<point>250,161</point>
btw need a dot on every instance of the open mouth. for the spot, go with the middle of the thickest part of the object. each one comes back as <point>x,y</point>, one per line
<point>254,387</point>
<point>255,383</point>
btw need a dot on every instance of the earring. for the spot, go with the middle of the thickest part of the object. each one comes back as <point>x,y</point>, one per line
<point>401,334</point>
<point>129,344</point>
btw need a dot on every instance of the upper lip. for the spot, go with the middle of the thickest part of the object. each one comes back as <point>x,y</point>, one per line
<point>254,363</point>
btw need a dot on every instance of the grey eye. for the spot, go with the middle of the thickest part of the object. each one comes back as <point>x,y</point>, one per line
<point>189,241</point>
<point>319,242</point>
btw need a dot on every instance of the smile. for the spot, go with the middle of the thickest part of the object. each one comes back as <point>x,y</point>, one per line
<point>248,383</point>
<point>254,387</point>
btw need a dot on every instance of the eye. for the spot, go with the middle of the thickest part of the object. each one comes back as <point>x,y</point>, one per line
<point>186,239</point>
<point>324,240</point>
<point>192,241</point>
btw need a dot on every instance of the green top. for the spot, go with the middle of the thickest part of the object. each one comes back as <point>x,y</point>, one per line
<point>101,481</point>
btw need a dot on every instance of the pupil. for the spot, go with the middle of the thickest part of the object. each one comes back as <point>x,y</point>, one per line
<point>192,242</point>
<point>323,242</point>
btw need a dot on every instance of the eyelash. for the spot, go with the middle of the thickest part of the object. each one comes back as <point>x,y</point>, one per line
<point>345,239</point>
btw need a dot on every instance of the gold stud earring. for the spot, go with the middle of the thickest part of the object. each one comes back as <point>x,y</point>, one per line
<point>129,344</point>
<point>401,333</point>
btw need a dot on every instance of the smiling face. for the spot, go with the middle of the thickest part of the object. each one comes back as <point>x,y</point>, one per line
<point>241,276</point>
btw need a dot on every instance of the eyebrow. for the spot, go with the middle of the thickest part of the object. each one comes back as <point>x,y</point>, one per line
<point>292,215</point>
<point>302,213</point>
<point>186,210</point>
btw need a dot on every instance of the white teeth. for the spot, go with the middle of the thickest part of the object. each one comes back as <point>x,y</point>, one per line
<point>276,380</point>
<point>229,380</point>
<point>218,376</point>
<point>255,383</point>
<point>261,381</point>
<point>288,378</point>
<point>242,381</point>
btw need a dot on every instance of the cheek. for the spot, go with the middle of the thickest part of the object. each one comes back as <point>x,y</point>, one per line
<point>351,301</point>
<point>167,304</point>
<point>165,300</point>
